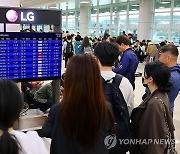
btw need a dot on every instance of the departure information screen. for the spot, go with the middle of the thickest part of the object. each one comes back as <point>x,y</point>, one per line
<point>30,56</point>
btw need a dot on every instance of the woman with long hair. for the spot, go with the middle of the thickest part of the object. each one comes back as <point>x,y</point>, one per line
<point>86,46</point>
<point>80,123</point>
<point>151,120</point>
<point>11,141</point>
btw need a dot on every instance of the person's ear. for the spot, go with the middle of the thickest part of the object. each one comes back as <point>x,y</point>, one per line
<point>169,57</point>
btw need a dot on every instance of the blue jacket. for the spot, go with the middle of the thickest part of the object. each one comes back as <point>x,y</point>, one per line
<point>175,80</point>
<point>77,47</point>
<point>128,65</point>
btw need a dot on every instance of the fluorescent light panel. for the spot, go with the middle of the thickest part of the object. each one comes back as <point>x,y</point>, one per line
<point>84,2</point>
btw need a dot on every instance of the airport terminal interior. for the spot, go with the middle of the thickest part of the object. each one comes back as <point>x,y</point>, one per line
<point>143,22</point>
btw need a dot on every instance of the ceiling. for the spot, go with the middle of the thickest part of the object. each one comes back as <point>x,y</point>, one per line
<point>38,3</point>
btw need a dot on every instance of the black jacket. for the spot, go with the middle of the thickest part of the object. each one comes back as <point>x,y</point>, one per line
<point>60,143</point>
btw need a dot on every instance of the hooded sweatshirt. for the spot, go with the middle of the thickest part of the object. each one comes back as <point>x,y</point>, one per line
<point>175,80</point>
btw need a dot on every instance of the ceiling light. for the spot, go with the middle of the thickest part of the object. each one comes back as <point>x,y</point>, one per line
<point>135,5</point>
<point>84,2</point>
<point>165,2</point>
<point>134,9</point>
<point>53,7</point>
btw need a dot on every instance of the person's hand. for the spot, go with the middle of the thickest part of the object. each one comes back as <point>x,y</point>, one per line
<point>61,88</point>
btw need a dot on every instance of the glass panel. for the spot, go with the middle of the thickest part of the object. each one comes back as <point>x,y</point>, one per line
<point>161,19</point>
<point>64,22</point>
<point>94,2</point>
<point>160,35</point>
<point>63,6</point>
<point>134,6</point>
<point>46,28</point>
<point>71,23</point>
<point>119,21</point>
<point>94,10</point>
<point>71,14</point>
<point>102,2</point>
<point>93,32</point>
<point>39,27</point>
<point>115,32</point>
<point>133,20</point>
<point>104,10</point>
<point>120,9</point>
<point>104,29</point>
<point>162,5</point>
<point>93,20</point>
<point>176,19</point>
<point>176,5</point>
<point>175,36</point>
<point>71,5</point>
<point>104,21</point>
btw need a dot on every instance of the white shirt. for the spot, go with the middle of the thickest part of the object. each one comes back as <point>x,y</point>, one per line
<point>30,142</point>
<point>178,60</point>
<point>125,87</point>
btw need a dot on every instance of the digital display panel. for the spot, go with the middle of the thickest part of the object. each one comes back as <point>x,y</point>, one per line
<point>30,56</point>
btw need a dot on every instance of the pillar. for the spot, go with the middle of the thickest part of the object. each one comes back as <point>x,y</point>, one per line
<point>145,19</point>
<point>85,8</point>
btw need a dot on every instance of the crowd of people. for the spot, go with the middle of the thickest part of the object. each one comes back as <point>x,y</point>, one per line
<point>97,107</point>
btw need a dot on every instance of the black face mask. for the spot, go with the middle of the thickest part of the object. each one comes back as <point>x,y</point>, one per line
<point>145,85</point>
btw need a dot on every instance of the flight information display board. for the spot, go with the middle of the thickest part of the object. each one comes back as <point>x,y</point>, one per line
<point>30,56</point>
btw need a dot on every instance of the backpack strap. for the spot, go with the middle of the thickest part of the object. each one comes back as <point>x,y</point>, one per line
<point>117,80</point>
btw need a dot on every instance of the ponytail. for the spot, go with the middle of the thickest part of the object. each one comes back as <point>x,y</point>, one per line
<point>9,144</point>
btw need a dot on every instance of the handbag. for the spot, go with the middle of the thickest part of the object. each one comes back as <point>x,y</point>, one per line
<point>170,148</point>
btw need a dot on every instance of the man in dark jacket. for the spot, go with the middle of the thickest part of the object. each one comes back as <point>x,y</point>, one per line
<point>128,62</point>
<point>169,55</point>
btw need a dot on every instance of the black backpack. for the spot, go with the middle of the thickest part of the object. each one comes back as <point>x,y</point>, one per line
<point>69,48</point>
<point>120,111</point>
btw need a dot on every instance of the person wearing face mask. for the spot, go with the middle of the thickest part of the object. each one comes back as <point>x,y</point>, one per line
<point>152,120</point>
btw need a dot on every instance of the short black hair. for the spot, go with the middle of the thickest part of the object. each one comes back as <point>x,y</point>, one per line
<point>107,53</point>
<point>123,39</point>
<point>78,38</point>
<point>160,74</point>
<point>171,49</point>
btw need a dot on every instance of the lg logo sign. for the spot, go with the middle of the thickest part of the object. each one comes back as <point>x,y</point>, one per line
<point>12,16</point>
<point>29,16</point>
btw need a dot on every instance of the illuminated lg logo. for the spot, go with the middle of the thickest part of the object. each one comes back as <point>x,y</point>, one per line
<point>12,15</point>
<point>29,16</point>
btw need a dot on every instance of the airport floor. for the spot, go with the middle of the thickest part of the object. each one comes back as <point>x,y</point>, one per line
<point>139,91</point>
